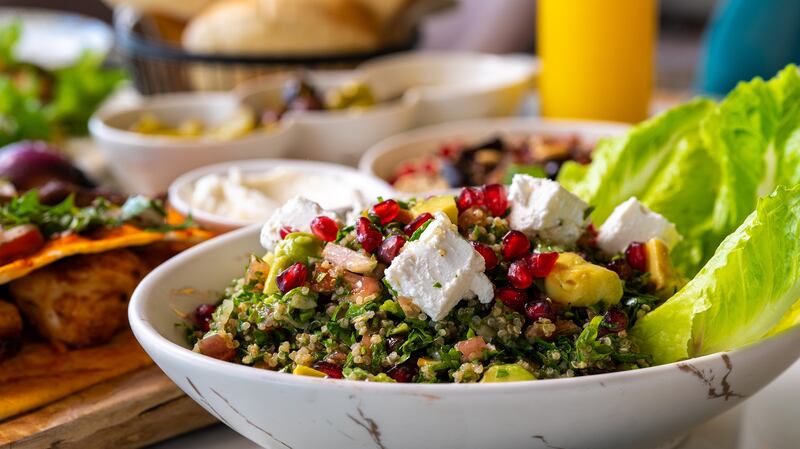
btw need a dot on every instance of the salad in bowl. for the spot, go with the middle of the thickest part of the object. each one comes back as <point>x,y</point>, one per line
<point>617,306</point>
<point>488,286</point>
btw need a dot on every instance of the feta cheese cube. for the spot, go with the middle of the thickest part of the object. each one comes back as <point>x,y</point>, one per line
<point>296,213</point>
<point>631,222</point>
<point>541,208</point>
<point>439,270</point>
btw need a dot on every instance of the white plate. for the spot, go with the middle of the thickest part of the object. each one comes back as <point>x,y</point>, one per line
<point>53,39</point>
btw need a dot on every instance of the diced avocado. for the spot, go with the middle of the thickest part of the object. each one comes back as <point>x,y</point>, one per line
<point>576,282</point>
<point>382,377</point>
<point>295,247</point>
<point>351,95</point>
<point>441,203</point>
<point>307,371</point>
<point>299,247</point>
<point>506,373</point>
<point>659,265</point>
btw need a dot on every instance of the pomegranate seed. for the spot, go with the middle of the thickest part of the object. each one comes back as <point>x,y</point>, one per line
<point>390,248</point>
<point>515,244</point>
<point>589,238</point>
<point>614,321</point>
<point>286,230</point>
<point>386,210</point>
<point>403,373</point>
<point>330,370</point>
<point>636,256</point>
<point>495,198</point>
<point>541,264</point>
<point>489,257</point>
<point>449,150</point>
<point>469,197</point>
<point>202,316</point>
<point>366,234</point>
<point>324,228</point>
<point>292,277</point>
<point>519,274</point>
<point>417,222</point>
<point>512,298</point>
<point>621,267</point>
<point>539,309</point>
<point>406,169</point>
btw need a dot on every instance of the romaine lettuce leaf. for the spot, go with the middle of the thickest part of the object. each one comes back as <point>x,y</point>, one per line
<point>748,135</point>
<point>702,167</point>
<point>625,166</point>
<point>741,294</point>
<point>664,164</point>
<point>685,191</point>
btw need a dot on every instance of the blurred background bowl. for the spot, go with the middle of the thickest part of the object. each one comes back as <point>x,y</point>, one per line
<point>352,183</point>
<point>147,164</point>
<point>454,85</point>
<point>385,158</point>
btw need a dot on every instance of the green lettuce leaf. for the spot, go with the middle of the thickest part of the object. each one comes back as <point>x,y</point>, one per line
<point>753,136</point>
<point>79,90</point>
<point>741,294</point>
<point>625,166</point>
<point>664,164</point>
<point>701,166</point>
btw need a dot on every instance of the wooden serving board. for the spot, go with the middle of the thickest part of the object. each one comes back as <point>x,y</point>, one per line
<point>128,412</point>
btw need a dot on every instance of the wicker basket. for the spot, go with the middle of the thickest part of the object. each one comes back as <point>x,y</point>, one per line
<point>158,66</point>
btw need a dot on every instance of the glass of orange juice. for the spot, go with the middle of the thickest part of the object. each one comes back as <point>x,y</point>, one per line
<point>597,58</point>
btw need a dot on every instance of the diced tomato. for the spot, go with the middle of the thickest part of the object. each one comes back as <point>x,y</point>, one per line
<point>19,241</point>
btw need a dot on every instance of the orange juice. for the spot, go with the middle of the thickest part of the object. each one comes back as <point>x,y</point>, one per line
<point>597,58</point>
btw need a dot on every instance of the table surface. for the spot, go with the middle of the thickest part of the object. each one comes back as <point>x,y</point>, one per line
<point>765,421</point>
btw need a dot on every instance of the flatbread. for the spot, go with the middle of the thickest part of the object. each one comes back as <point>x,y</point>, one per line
<point>41,374</point>
<point>99,241</point>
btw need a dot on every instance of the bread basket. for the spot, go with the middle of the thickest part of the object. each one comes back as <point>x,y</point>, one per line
<point>158,66</point>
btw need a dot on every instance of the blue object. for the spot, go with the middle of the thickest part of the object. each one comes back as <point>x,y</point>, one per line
<point>748,38</point>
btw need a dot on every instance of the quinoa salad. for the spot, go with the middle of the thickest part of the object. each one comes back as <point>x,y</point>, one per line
<point>495,284</point>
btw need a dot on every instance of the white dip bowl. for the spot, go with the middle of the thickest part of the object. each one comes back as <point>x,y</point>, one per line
<point>334,187</point>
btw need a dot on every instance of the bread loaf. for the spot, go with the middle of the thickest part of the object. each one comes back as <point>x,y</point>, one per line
<point>282,27</point>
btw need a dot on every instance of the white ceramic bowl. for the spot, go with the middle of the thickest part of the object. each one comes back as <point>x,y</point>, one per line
<point>364,186</point>
<point>637,409</point>
<point>334,136</point>
<point>383,159</point>
<point>454,85</point>
<point>147,164</point>
<point>424,88</point>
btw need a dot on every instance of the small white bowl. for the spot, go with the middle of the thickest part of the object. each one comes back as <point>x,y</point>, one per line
<point>148,163</point>
<point>413,89</point>
<point>454,85</point>
<point>367,188</point>
<point>620,410</point>
<point>383,159</point>
<point>333,136</point>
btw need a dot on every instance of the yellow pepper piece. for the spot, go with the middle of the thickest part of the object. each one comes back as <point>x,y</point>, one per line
<point>659,265</point>
<point>441,203</point>
<point>579,283</point>
<point>307,371</point>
